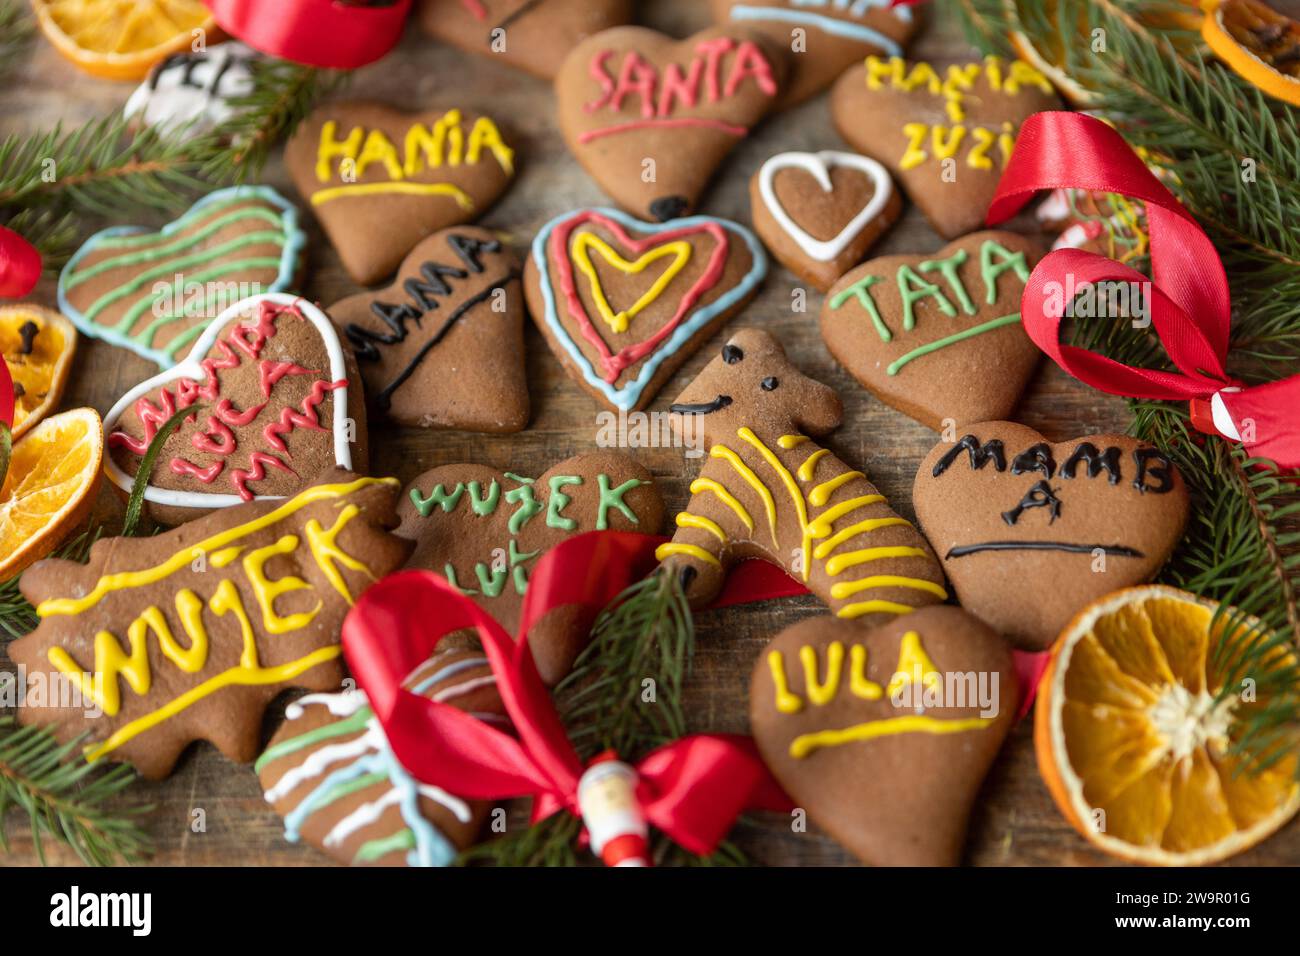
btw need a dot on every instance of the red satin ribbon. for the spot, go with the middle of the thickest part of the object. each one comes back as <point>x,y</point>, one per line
<point>20,265</point>
<point>1189,298</point>
<point>323,33</point>
<point>692,789</point>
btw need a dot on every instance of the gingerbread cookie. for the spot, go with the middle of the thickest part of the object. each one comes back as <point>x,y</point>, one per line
<point>279,399</point>
<point>153,292</point>
<point>827,36</point>
<point>820,213</point>
<point>1030,532</point>
<point>651,118</point>
<point>768,491</point>
<point>190,93</point>
<point>533,35</point>
<point>380,180</point>
<point>330,772</point>
<point>624,303</point>
<point>946,136</point>
<point>938,337</point>
<point>483,530</point>
<point>443,346</point>
<point>884,735</point>
<point>189,634</point>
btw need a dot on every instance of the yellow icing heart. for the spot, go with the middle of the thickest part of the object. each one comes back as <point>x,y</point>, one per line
<point>617,321</point>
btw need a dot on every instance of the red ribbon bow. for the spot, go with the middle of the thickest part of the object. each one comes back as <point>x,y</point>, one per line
<point>20,265</point>
<point>328,33</point>
<point>692,789</point>
<point>1189,302</point>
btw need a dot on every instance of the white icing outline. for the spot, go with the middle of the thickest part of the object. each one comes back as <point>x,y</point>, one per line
<point>819,165</point>
<point>191,368</point>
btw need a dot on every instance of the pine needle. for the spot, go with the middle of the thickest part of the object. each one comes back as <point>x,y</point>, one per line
<point>16,31</point>
<point>17,616</point>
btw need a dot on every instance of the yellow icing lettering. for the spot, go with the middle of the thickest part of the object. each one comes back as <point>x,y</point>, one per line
<point>379,148</point>
<point>189,607</point>
<point>424,145</point>
<point>325,550</point>
<point>859,684</point>
<point>110,663</point>
<point>267,590</point>
<point>914,666</point>
<point>1006,142</point>
<point>1021,74</point>
<point>921,72</point>
<point>331,148</point>
<point>786,702</point>
<point>486,134</point>
<point>226,601</point>
<point>946,149</point>
<point>819,692</point>
<point>978,158</point>
<point>878,69</point>
<point>914,155</point>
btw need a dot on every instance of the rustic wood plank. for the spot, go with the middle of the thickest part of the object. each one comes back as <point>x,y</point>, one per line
<point>1015,823</point>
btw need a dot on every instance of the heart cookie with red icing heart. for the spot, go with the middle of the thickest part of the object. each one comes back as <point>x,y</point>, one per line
<point>380,180</point>
<point>946,135</point>
<point>277,400</point>
<point>624,303</point>
<point>1030,532</point>
<point>651,118</point>
<point>884,735</point>
<point>533,35</point>
<point>938,337</point>
<point>820,213</point>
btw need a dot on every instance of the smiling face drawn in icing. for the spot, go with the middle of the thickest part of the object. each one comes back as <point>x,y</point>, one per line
<point>768,491</point>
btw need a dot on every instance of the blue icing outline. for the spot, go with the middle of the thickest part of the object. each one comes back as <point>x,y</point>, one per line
<point>852,31</point>
<point>295,240</point>
<point>627,397</point>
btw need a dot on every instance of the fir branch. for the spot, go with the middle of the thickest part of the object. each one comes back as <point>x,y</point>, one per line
<point>64,797</point>
<point>16,31</point>
<point>53,234</point>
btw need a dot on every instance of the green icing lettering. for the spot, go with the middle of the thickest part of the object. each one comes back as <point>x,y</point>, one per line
<point>990,270</point>
<point>450,574</point>
<point>439,498</point>
<point>913,288</point>
<point>517,560</point>
<point>948,268</point>
<point>613,498</point>
<point>484,506</point>
<point>527,501</point>
<point>558,501</point>
<point>861,291</point>
<point>491,582</point>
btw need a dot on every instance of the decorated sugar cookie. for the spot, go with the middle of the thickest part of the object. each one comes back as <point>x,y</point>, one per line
<point>330,772</point>
<point>443,346</point>
<point>484,530</point>
<point>278,401</point>
<point>945,134</point>
<point>193,89</point>
<point>624,303</point>
<point>938,337</point>
<point>154,292</point>
<point>380,180</point>
<point>831,35</point>
<point>651,118</point>
<point>769,491</point>
<point>37,345</point>
<point>884,735</point>
<point>191,633</point>
<point>1030,531</point>
<point>533,35</point>
<point>820,213</point>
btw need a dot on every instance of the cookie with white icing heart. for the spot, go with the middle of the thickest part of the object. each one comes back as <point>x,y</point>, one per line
<point>938,337</point>
<point>820,213</point>
<point>193,89</point>
<point>533,35</point>
<point>277,397</point>
<point>331,773</point>
<point>945,134</point>
<point>380,180</point>
<point>1030,531</point>
<point>443,346</point>
<point>832,34</point>
<point>650,118</point>
<point>624,303</point>
<point>484,530</point>
<point>884,735</point>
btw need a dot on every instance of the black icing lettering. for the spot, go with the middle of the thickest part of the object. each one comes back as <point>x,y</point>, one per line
<point>1096,460</point>
<point>470,250</point>
<point>1042,495</point>
<point>435,274</point>
<point>980,455</point>
<point>1152,463</point>
<point>1038,458</point>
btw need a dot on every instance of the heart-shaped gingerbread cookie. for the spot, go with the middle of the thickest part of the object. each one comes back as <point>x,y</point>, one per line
<point>279,399</point>
<point>820,213</point>
<point>380,180</point>
<point>533,35</point>
<point>443,346</point>
<point>1029,532</point>
<point>623,303</point>
<point>650,117</point>
<point>483,530</point>
<point>826,36</point>
<point>946,136</point>
<point>153,291</point>
<point>938,337</point>
<point>884,735</point>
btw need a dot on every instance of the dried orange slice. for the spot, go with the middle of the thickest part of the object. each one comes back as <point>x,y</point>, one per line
<point>1260,44</point>
<point>1132,735</point>
<point>37,344</point>
<point>121,39</point>
<point>53,475</point>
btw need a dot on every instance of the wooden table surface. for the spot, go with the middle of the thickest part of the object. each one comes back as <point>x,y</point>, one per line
<point>1015,821</point>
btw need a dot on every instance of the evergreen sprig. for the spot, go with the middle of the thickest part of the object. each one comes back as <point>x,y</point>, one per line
<point>16,31</point>
<point>64,797</point>
<point>17,616</point>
